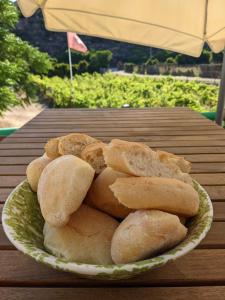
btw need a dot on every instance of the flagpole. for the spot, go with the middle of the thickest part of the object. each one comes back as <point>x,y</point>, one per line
<point>71,73</point>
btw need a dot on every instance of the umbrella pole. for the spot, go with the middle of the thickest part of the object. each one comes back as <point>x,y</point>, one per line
<point>221,99</point>
<point>71,73</point>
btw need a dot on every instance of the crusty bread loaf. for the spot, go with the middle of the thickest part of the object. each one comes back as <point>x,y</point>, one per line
<point>34,170</point>
<point>74,143</point>
<point>166,157</point>
<point>51,148</point>
<point>85,239</point>
<point>62,187</point>
<point>139,160</point>
<point>100,196</point>
<point>93,154</point>
<point>145,233</point>
<point>165,194</point>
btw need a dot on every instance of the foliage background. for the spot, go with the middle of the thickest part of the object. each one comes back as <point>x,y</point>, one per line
<point>27,74</point>
<point>109,90</point>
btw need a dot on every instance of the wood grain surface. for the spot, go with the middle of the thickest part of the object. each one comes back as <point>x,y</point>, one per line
<point>198,275</point>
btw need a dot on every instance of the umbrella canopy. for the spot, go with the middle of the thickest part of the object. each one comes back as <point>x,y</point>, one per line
<point>178,25</point>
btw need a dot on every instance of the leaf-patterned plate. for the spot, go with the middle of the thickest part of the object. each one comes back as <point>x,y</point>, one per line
<point>23,224</point>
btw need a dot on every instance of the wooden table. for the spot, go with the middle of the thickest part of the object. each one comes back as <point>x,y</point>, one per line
<point>198,275</point>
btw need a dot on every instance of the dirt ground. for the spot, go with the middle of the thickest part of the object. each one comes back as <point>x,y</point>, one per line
<point>19,115</point>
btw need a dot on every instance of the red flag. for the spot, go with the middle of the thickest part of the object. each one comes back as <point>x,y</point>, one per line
<point>75,43</point>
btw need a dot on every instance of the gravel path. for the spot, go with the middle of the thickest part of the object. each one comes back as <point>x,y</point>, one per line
<point>183,78</point>
<point>19,115</point>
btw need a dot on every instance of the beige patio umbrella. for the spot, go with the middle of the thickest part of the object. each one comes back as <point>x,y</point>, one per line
<point>178,25</point>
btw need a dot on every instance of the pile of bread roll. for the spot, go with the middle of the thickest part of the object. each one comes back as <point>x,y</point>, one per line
<point>111,203</point>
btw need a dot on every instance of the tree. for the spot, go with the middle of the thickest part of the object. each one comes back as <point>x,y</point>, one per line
<point>18,59</point>
<point>99,59</point>
<point>82,67</point>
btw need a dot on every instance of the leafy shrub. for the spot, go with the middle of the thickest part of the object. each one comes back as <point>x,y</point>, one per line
<point>99,59</point>
<point>7,98</point>
<point>171,60</point>
<point>111,90</point>
<point>17,58</point>
<point>152,61</point>
<point>82,66</point>
<point>128,67</point>
<point>61,70</point>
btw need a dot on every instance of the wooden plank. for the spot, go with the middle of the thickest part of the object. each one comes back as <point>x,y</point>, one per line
<point>49,133</point>
<point>198,267</point>
<point>196,168</point>
<point>119,121</point>
<point>178,150</point>
<point>129,136</point>
<point>16,160</point>
<point>116,125</point>
<point>21,152</point>
<point>10,181</point>
<point>219,211</point>
<point>5,244</point>
<point>1,207</point>
<point>130,293</point>
<point>213,167</point>
<point>194,150</point>
<point>210,179</point>
<point>216,192</point>
<point>155,144</point>
<point>4,193</point>
<point>126,117</point>
<point>215,239</point>
<point>13,170</point>
<point>205,158</point>
<point>218,208</point>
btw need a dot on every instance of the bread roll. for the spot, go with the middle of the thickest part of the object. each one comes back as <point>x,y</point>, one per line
<point>100,196</point>
<point>166,157</point>
<point>139,160</point>
<point>85,239</point>
<point>62,187</point>
<point>51,148</point>
<point>145,233</point>
<point>165,194</point>
<point>74,143</point>
<point>93,154</point>
<point>34,170</point>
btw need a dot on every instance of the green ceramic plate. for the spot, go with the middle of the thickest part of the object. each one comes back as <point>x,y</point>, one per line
<point>23,223</point>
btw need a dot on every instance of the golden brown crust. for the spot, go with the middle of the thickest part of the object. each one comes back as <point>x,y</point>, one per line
<point>145,233</point>
<point>93,154</point>
<point>165,194</point>
<point>74,143</point>
<point>101,197</point>
<point>51,148</point>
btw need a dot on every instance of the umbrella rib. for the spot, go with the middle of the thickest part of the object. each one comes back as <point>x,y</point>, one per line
<point>128,19</point>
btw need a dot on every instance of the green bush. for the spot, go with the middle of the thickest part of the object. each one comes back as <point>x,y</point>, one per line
<point>17,58</point>
<point>171,60</point>
<point>7,98</point>
<point>152,61</point>
<point>61,70</point>
<point>99,59</point>
<point>82,67</point>
<point>129,67</point>
<point>111,90</point>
